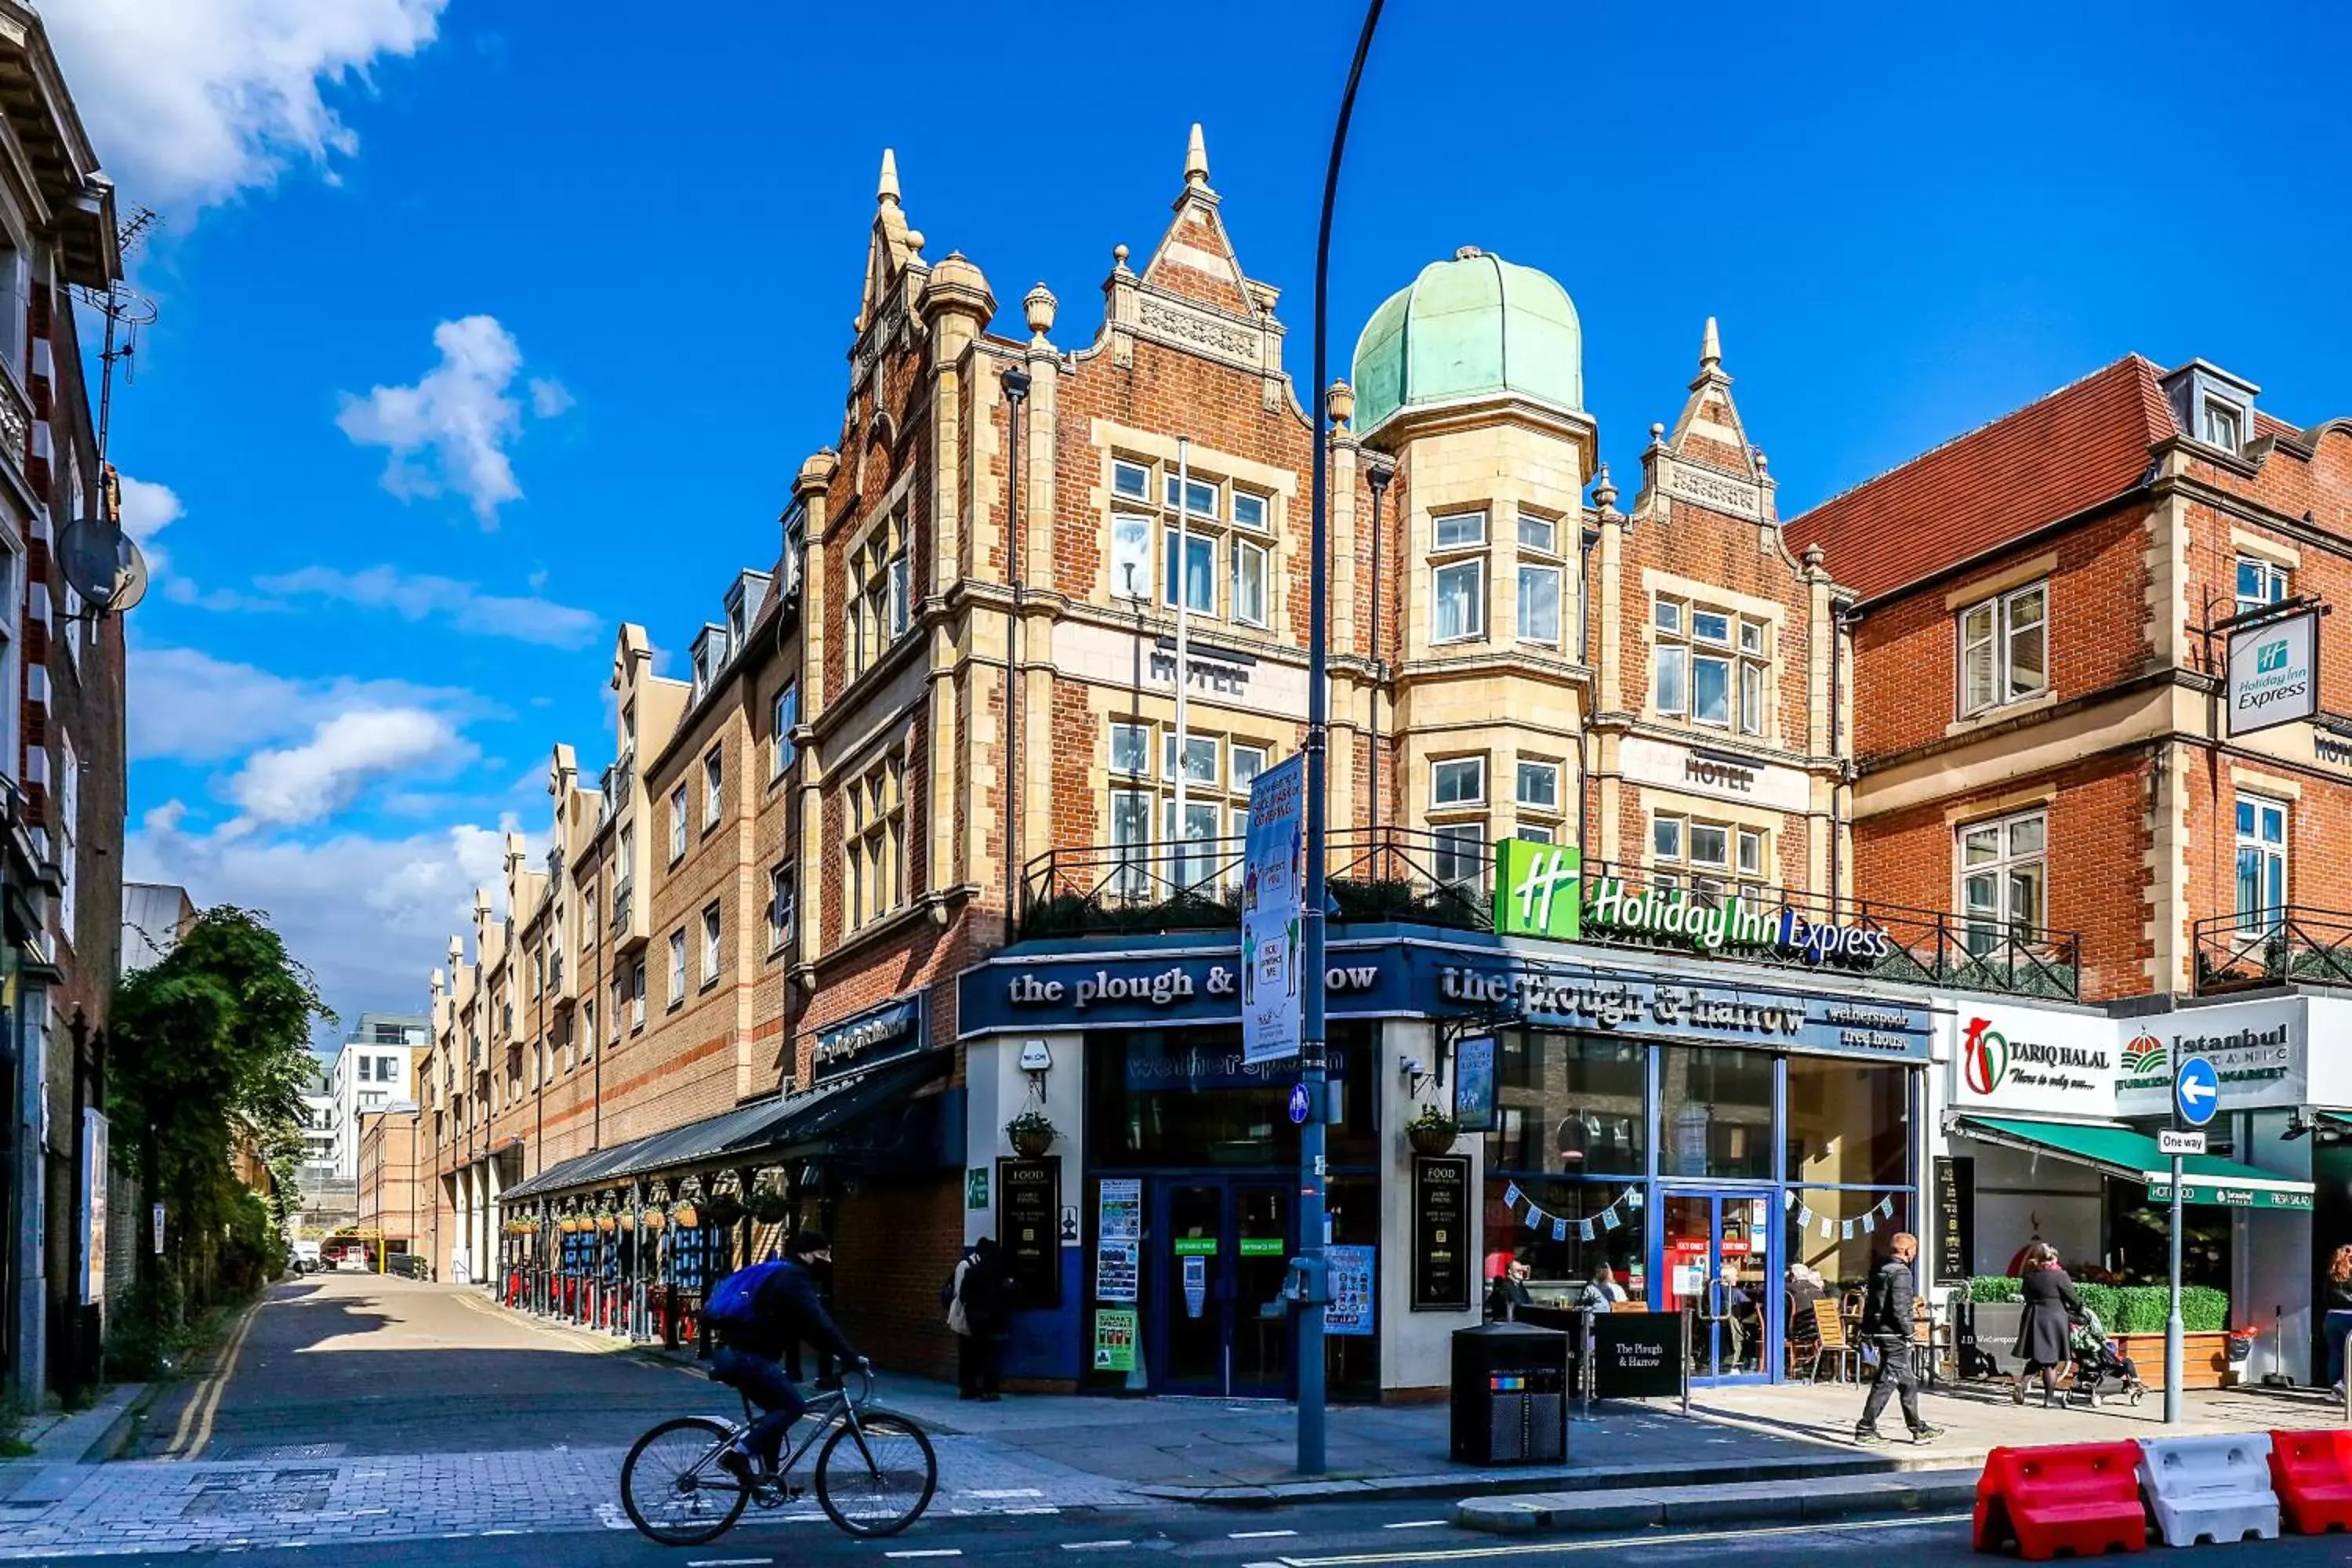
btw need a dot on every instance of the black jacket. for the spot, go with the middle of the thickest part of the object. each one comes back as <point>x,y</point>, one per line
<point>1887,1304</point>
<point>786,1307</point>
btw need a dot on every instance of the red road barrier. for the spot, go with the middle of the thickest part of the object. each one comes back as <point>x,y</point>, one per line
<point>2311,1473</point>
<point>2082,1497</point>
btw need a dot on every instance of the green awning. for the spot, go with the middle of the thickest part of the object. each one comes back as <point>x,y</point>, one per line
<point>2130,1156</point>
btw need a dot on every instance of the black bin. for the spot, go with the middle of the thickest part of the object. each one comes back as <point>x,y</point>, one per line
<point>1510,1396</point>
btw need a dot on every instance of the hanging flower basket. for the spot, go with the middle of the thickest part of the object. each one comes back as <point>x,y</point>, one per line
<point>771,1207</point>
<point>722,1210</point>
<point>1433,1131</point>
<point>1032,1135</point>
<point>568,1225</point>
<point>654,1219</point>
<point>608,1223</point>
<point>628,1219</point>
<point>686,1216</point>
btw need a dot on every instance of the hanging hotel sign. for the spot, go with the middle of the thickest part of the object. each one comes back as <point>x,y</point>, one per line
<point>869,1039</point>
<point>2274,673</point>
<point>1541,891</point>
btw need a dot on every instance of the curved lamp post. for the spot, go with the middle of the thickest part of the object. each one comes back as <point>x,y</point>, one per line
<point>1314,1066</point>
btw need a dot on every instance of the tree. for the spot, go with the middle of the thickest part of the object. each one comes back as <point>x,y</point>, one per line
<point>211,1053</point>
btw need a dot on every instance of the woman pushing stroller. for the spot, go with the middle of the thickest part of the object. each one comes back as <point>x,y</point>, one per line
<point>2044,1328</point>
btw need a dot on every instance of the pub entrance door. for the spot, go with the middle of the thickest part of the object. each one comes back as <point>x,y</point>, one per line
<point>1218,1248</point>
<point>1718,1262</point>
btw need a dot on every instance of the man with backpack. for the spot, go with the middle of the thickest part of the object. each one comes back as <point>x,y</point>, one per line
<point>977,1296</point>
<point>753,1314</point>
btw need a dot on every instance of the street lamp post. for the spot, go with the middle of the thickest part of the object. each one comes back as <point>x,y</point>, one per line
<point>1314,1066</point>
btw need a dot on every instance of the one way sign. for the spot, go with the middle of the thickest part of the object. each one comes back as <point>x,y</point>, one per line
<point>2196,1092</point>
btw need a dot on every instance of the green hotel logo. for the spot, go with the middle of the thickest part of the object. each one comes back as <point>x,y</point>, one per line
<point>2271,655</point>
<point>1540,889</point>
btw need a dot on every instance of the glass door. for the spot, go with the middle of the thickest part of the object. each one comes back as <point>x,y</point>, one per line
<point>1717,1261</point>
<point>1221,1251</point>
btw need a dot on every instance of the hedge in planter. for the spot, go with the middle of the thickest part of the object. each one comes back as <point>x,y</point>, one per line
<point>2128,1309</point>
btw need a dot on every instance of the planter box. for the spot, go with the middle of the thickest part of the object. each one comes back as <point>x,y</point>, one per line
<point>2203,1357</point>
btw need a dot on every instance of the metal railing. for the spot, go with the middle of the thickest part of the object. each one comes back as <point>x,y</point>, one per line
<point>1406,876</point>
<point>2272,947</point>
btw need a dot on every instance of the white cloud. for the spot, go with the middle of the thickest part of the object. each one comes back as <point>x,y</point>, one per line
<point>550,398</point>
<point>370,916</point>
<point>188,706</point>
<point>415,598</point>
<point>302,783</point>
<point>148,509</point>
<point>191,100</point>
<point>451,431</point>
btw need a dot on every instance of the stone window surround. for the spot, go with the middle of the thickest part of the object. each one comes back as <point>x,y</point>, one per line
<point>1658,585</point>
<point>1279,487</point>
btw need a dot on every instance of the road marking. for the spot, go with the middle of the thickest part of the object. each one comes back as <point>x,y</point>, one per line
<point>1083,1546</point>
<point>1004,1492</point>
<point>1614,1544</point>
<point>1416,1524</point>
<point>929,1552</point>
<point>205,1405</point>
<point>730,1562</point>
<point>1258,1534</point>
<point>1025,1512</point>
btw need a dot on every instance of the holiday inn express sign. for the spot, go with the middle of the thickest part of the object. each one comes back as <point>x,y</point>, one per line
<point>1540,890</point>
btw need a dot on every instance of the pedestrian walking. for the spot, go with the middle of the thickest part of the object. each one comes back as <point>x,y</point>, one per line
<point>1886,1309</point>
<point>2045,1326</point>
<point>2337,1324</point>
<point>979,1313</point>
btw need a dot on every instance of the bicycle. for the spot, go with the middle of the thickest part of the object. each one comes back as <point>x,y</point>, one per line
<point>872,1460</point>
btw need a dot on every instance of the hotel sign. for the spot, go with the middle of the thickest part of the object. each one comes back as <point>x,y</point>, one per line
<point>2274,674</point>
<point>1540,892</point>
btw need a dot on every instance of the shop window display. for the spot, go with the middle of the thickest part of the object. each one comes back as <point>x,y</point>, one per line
<point>1559,1260</point>
<point>1715,1112</point>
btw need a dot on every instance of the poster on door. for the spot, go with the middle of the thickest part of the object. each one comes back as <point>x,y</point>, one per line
<point>1114,1338</point>
<point>1196,1284</point>
<point>1119,1238</point>
<point>1350,1311</point>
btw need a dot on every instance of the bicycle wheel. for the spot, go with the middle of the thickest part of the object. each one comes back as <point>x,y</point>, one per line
<point>882,1484</point>
<point>672,1496</point>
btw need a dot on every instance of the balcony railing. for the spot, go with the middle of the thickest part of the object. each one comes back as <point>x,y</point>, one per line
<point>1394,874</point>
<point>2272,947</point>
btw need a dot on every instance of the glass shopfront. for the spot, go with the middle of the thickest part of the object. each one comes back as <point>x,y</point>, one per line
<point>1709,1179</point>
<point>1210,1139</point>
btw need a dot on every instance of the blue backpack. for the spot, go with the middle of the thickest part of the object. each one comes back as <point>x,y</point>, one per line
<point>734,1304</point>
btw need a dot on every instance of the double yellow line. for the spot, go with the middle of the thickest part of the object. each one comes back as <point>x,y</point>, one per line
<point>196,1427</point>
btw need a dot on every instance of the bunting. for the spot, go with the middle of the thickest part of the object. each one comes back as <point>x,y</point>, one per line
<point>1629,1199</point>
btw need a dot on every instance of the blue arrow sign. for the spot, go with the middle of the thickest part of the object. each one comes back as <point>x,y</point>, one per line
<point>2197,1092</point>
<point>1299,1105</point>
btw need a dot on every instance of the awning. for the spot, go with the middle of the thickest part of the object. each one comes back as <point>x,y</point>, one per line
<point>2130,1156</point>
<point>768,1128</point>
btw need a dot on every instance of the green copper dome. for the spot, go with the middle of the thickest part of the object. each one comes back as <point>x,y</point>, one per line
<point>1476,324</point>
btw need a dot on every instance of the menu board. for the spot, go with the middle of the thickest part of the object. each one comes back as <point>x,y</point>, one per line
<point>1443,1246</point>
<point>1956,1217</point>
<point>1028,1192</point>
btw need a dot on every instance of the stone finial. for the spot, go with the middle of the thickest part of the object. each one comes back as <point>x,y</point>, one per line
<point>1763,464</point>
<point>1604,489</point>
<point>1814,556</point>
<point>1040,304</point>
<point>887,195</point>
<point>457,951</point>
<point>1196,159</point>
<point>1710,348</point>
<point>1118,257</point>
<point>1657,434</point>
<point>438,983</point>
<point>914,242</point>
<point>1340,400</point>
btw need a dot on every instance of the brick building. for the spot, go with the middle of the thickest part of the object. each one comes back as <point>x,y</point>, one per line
<point>392,1201</point>
<point>61,738</point>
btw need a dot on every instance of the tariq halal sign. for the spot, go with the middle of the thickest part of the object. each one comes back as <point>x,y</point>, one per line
<point>1543,893</point>
<point>2013,1059</point>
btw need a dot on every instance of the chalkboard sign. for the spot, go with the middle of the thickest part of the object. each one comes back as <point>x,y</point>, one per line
<point>1442,1246</point>
<point>1028,1227</point>
<point>1956,1217</point>
<point>1637,1356</point>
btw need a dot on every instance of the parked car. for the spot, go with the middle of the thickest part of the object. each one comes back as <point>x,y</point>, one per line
<point>305,1257</point>
<point>354,1260</point>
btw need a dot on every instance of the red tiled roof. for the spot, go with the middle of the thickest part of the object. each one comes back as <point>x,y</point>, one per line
<point>2081,445</point>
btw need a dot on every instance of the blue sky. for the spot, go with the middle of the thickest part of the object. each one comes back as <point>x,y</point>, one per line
<point>487,326</point>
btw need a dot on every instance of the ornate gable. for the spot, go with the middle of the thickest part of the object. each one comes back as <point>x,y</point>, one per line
<point>1706,461</point>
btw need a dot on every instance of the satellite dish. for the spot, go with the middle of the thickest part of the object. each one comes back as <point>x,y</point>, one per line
<point>101,563</point>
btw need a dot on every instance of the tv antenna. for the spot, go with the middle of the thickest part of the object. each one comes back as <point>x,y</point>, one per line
<point>126,311</point>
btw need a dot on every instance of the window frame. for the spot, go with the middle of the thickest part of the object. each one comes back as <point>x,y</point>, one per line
<point>714,788</point>
<point>2277,584</point>
<point>681,822</point>
<point>1175,578</point>
<point>677,968</point>
<point>1245,549</point>
<point>1474,629</point>
<point>1474,801</point>
<point>714,941</point>
<point>785,714</point>
<point>2001,919</point>
<point>2275,864</point>
<point>783,894</point>
<point>1524,768</point>
<point>2211,413</point>
<point>2000,645</point>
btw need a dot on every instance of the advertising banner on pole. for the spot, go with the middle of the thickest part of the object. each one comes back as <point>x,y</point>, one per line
<point>1273,936</point>
<point>93,1207</point>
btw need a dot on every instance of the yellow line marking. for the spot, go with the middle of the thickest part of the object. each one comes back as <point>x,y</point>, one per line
<point>1622,1543</point>
<point>205,1403</point>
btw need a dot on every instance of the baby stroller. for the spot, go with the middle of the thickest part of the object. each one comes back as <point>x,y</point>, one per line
<point>2098,1360</point>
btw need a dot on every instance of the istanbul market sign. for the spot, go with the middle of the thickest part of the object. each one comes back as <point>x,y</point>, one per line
<point>1541,891</point>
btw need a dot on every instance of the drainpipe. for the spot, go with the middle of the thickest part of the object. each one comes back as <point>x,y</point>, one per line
<point>1378,475</point>
<point>1015,383</point>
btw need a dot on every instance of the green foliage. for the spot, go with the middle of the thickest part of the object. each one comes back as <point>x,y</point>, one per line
<point>12,1424</point>
<point>1994,1288</point>
<point>2128,1309</point>
<point>211,1056</point>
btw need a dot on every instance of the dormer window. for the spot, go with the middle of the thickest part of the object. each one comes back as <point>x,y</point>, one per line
<point>2222,424</point>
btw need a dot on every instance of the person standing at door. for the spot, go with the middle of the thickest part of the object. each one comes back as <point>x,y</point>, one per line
<point>1886,1309</point>
<point>980,1314</point>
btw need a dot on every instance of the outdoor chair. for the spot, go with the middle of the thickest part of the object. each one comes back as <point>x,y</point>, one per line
<point>1830,1329</point>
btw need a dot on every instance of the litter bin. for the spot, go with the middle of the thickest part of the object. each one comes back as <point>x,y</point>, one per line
<point>1510,1396</point>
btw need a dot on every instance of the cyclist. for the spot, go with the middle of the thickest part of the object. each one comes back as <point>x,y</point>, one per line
<point>781,1305</point>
